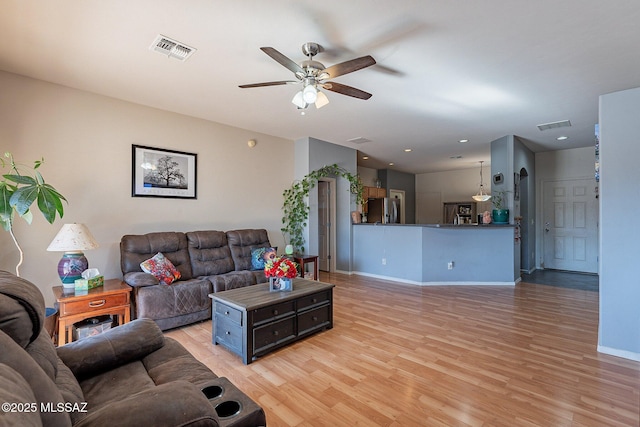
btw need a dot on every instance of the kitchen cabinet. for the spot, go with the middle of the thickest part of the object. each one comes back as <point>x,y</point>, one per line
<point>465,210</point>
<point>372,193</point>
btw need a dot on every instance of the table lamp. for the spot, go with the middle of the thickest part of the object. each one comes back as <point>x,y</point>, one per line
<point>72,239</point>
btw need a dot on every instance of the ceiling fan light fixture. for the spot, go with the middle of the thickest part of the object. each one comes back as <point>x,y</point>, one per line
<point>298,100</point>
<point>310,94</point>
<point>321,100</point>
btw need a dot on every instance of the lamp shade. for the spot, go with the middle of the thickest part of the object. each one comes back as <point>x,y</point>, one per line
<point>73,237</point>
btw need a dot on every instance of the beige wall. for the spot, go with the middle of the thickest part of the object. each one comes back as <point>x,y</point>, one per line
<point>435,188</point>
<point>86,142</point>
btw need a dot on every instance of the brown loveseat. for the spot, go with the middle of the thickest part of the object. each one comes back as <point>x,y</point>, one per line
<point>208,261</point>
<point>130,375</point>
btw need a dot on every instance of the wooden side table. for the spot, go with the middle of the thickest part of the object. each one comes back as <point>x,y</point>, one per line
<point>302,259</point>
<point>113,298</point>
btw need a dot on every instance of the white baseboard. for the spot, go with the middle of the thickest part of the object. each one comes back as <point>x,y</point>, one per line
<point>619,353</point>
<point>413,282</point>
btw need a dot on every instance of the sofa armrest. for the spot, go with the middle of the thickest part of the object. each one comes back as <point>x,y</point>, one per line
<point>138,279</point>
<point>177,403</point>
<point>112,348</point>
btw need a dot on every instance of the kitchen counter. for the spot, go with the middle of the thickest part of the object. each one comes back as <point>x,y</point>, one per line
<point>437,254</point>
<point>492,225</point>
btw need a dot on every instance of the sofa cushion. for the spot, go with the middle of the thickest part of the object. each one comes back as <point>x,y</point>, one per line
<point>21,309</point>
<point>14,389</point>
<point>173,362</point>
<point>99,353</point>
<point>209,252</point>
<point>161,268</point>
<point>44,389</point>
<point>242,242</point>
<point>233,279</point>
<point>182,297</point>
<point>135,249</point>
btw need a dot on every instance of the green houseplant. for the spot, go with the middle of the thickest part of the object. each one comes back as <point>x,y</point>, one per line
<point>19,189</point>
<point>295,208</point>
<point>500,213</point>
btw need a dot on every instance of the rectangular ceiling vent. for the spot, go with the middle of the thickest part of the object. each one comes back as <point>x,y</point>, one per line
<point>358,140</point>
<point>171,48</point>
<point>555,125</point>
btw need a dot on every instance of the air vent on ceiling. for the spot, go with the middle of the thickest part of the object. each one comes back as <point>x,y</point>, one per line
<point>171,48</point>
<point>358,140</point>
<point>554,125</point>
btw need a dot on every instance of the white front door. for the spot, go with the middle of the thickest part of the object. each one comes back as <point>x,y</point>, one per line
<point>570,225</point>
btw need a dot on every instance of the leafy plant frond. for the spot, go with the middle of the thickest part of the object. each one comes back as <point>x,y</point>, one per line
<point>296,209</point>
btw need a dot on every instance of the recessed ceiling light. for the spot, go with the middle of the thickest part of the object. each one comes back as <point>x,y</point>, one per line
<point>407,150</point>
<point>463,140</point>
<point>365,157</point>
<point>391,164</point>
<point>562,138</point>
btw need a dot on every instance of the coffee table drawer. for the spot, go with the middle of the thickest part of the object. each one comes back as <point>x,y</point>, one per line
<point>99,302</point>
<point>314,319</point>
<point>274,333</point>
<point>314,299</point>
<point>231,313</point>
<point>228,333</point>
<point>265,314</point>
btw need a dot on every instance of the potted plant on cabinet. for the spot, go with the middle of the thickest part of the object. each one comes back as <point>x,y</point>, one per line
<point>500,213</point>
<point>19,189</point>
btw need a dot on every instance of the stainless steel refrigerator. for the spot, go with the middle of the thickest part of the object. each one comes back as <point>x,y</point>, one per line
<point>384,211</point>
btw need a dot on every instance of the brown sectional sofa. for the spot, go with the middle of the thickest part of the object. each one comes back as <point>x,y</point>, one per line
<point>208,261</point>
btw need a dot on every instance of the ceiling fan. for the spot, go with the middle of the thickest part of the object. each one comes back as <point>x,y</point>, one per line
<point>313,75</point>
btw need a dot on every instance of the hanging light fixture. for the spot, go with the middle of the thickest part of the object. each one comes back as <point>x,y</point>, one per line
<point>481,196</point>
<point>309,95</point>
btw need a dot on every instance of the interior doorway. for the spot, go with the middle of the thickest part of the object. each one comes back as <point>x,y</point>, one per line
<point>326,219</point>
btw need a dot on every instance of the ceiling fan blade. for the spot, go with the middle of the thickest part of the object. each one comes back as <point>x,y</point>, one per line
<point>348,66</point>
<point>282,82</point>
<point>282,60</point>
<point>346,90</point>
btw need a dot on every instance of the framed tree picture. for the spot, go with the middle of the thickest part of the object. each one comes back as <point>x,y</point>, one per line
<point>157,172</point>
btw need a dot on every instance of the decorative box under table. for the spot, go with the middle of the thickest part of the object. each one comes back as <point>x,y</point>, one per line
<point>252,321</point>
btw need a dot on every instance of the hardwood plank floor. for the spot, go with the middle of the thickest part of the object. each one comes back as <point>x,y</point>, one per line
<point>404,355</point>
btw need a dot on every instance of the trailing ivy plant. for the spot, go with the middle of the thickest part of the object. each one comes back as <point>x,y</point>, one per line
<point>19,189</point>
<point>295,208</point>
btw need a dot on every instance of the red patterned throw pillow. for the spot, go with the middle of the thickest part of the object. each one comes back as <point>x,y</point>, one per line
<point>161,268</point>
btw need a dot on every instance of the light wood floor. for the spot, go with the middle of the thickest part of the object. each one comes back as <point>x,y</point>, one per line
<point>403,355</point>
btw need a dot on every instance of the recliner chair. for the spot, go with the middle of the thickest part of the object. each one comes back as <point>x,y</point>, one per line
<point>130,375</point>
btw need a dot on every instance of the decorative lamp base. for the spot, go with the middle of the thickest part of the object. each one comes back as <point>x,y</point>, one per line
<point>277,284</point>
<point>71,267</point>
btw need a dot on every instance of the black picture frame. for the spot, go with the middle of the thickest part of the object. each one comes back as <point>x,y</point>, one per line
<point>158,172</point>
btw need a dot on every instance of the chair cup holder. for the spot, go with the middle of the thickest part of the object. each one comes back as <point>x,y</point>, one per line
<point>234,408</point>
<point>213,391</point>
<point>228,409</point>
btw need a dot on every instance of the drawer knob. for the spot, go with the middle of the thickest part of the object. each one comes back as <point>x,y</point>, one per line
<point>228,333</point>
<point>97,303</point>
<point>314,318</point>
<point>227,312</point>
<point>275,312</point>
<point>275,333</point>
<point>314,300</point>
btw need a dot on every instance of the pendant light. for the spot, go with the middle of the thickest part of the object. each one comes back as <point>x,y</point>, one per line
<point>481,196</point>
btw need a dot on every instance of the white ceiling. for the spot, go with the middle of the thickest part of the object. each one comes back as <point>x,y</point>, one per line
<point>474,69</point>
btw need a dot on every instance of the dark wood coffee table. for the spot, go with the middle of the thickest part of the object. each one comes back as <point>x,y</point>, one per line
<point>252,321</point>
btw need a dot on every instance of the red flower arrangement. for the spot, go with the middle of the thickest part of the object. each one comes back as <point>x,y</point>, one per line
<point>280,267</point>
